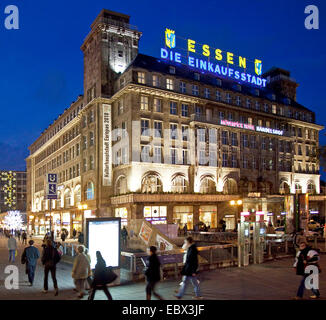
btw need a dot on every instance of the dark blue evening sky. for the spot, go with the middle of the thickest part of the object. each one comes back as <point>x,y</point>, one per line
<point>42,64</point>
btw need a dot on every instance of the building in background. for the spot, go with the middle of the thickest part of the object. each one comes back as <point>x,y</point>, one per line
<point>226,141</point>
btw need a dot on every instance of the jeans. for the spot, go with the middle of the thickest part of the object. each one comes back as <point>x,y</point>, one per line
<point>104,288</point>
<point>47,269</point>
<point>302,288</point>
<point>184,286</point>
<point>12,255</point>
<point>30,272</point>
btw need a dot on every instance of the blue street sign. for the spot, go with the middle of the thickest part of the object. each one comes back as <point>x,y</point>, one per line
<point>52,178</point>
<point>52,189</point>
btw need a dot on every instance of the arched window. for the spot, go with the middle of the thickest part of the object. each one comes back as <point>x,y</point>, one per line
<point>284,188</point>
<point>89,192</point>
<point>151,183</point>
<point>179,184</point>
<point>311,188</point>
<point>230,187</point>
<point>207,185</point>
<point>67,199</point>
<point>121,186</point>
<point>78,194</point>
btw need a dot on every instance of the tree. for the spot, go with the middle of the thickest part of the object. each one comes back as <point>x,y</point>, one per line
<point>13,220</point>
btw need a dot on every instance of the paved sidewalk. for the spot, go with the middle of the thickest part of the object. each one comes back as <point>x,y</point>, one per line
<point>268,281</point>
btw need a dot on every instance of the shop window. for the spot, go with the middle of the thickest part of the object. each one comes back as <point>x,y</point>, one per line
<point>155,215</point>
<point>208,216</point>
<point>123,214</point>
<point>183,215</point>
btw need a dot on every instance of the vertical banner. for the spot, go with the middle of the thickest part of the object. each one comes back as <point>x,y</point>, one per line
<point>107,145</point>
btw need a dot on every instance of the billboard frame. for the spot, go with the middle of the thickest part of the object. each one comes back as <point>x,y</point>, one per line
<point>88,220</point>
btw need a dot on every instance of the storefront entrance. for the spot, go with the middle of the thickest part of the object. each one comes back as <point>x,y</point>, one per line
<point>183,215</point>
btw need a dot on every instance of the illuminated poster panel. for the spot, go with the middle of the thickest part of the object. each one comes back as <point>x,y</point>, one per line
<point>103,234</point>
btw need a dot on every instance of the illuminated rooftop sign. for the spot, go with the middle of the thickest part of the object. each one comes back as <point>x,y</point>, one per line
<point>208,59</point>
<point>236,124</point>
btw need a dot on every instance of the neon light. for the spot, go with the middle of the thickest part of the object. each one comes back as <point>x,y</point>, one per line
<point>245,214</point>
<point>260,213</point>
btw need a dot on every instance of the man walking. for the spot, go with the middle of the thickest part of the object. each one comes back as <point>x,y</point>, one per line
<point>30,256</point>
<point>50,258</point>
<point>189,270</point>
<point>153,274</point>
<point>24,237</point>
<point>12,247</point>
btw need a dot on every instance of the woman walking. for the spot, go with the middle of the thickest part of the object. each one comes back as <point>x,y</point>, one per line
<point>153,274</point>
<point>100,278</point>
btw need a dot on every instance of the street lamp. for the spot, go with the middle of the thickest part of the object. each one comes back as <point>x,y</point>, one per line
<point>82,206</point>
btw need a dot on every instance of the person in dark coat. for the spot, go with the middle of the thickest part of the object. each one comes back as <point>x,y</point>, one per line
<point>100,282</point>
<point>153,274</point>
<point>124,235</point>
<point>306,256</point>
<point>50,258</point>
<point>189,270</point>
<point>63,236</point>
<point>81,238</point>
<point>24,237</point>
<point>30,257</point>
<point>74,233</point>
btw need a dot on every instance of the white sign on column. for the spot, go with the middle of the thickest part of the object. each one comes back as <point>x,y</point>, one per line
<point>107,145</point>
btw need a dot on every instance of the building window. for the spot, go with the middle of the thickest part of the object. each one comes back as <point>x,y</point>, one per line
<point>225,137</point>
<point>184,110</point>
<point>156,82</point>
<point>91,138</point>
<point>185,133</point>
<point>198,110</point>
<point>263,143</point>
<point>224,160</point>
<point>174,131</point>
<point>234,138</point>
<point>197,76</point>
<point>248,103</point>
<point>84,144</point>
<point>218,95</point>
<point>173,156</point>
<point>195,90</point>
<point>173,108</point>
<point>145,153</point>
<point>157,105</point>
<point>299,150</point>
<point>182,87</point>
<point>172,70</point>
<point>221,115</point>
<point>274,109</point>
<point>144,127</point>
<point>151,184</point>
<point>141,77</point>
<point>234,161</point>
<point>179,184</point>
<point>90,191</point>
<point>238,101</point>
<point>244,162</point>
<point>157,154</point>
<point>84,165</point>
<point>206,93</point>
<point>120,107</point>
<point>245,140</point>
<point>257,105</point>
<point>157,129</point>
<point>184,157</point>
<point>227,98</point>
<point>169,84</point>
<point>230,116</point>
<point>266,107</point>
<point>144,103</point>
<point>91,162</point>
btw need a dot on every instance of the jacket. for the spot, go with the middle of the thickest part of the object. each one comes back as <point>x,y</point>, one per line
<point>12,244</point>
<point>50,256</point>
<point>153,272</point>
<point>191,264</point>
<point>100,273</point>
<point>81,268</point>
<point>30,256</point>
<point>310,256</point>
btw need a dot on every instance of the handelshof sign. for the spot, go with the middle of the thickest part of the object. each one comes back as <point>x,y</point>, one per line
<point>211,60</point>
<point>51,186</point>
<point>236,124</point>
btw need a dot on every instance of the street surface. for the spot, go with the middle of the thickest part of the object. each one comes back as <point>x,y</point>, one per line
<point>269,281</point>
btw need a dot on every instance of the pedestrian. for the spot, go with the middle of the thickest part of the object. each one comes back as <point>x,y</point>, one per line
<point>100,279</point>
<point>63,236</point>
<point>298,238</point>
<point>24,237</point>
<point>81,270</point>
<point>89,278</point>
<point>18,235</point>
<point>50,258</point>
<point>185,229</point>
<point>153,274</point>
<point>12,247</point>
<point>223,226</point>
<point>30,257</point>
<point>189,270</point>
<point>81,237</point>
<point>306,256</point>
<point>124,235</point>
<point>74,233</point>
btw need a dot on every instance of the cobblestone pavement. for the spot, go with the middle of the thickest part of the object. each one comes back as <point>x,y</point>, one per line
<point>268,281</point>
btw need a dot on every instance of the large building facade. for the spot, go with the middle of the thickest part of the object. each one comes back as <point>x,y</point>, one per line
<point>157,140</point>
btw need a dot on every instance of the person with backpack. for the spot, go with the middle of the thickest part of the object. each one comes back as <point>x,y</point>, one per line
<point>153,274</point>
<point>189,270</point>
<point>81,270</point>
<point>50,258</point>
<point>100,278</point>
<point>305,257</point>
<point>30,257</point>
